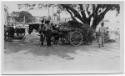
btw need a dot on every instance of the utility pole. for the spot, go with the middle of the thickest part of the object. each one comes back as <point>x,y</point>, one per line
<point>6,15</point>
<point>53,13</point>
<point>24,20</point>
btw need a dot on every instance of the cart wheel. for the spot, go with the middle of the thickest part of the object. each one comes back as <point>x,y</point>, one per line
<point>76,38</point>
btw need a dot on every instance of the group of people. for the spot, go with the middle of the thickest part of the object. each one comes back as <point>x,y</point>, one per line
<point>45,30</point>
<point>46,33</point>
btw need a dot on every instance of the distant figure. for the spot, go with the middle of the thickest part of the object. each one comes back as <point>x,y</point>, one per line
<point>106,36</point>
<point>101,34</point>
<point>42,32</point>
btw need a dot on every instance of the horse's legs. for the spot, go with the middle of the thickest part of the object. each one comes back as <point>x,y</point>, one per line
<point>48,37</point>
<point>56,39</point>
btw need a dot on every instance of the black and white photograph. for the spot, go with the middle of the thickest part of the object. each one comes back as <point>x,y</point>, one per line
<point>42,37</point>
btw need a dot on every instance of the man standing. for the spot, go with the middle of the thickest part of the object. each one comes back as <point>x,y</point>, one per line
<point>41,31</point>
<point>48,29</point>
<point>101,35</point>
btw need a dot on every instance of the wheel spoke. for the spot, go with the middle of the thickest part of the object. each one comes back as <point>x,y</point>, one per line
<point>76,38</point>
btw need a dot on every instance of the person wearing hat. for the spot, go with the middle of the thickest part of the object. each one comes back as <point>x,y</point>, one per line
<point>101,35</point>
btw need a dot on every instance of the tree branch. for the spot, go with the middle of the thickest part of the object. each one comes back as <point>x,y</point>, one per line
<point>82,11</point>
<point>87,9</point>
<point>83,14</point>
<point>71,15</point>
<point>76,14</point>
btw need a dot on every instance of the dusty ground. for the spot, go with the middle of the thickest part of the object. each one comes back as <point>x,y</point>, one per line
<point>24,57</point>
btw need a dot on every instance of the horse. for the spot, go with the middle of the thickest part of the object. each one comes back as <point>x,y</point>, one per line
<point>33,27</point>
<point>56,34</point>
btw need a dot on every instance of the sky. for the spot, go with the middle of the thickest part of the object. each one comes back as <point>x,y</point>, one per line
<point>12,6</point>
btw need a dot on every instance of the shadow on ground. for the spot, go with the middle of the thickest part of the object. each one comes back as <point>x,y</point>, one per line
<point>63,51</point>
<point>34,48</point>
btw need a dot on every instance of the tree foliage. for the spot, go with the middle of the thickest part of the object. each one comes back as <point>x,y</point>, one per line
<point>20,17</point>
<point>85,12</point>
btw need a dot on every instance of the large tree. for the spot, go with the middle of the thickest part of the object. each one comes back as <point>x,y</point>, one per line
<point>89,13</point>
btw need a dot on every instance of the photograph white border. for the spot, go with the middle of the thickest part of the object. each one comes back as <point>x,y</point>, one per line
<point>86,1</point>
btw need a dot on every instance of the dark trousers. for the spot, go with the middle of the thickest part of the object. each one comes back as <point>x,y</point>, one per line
<point>42,37</point>
<point>48,37</point>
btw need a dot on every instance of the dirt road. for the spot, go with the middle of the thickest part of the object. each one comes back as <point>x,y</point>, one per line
<point>25,57</point>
